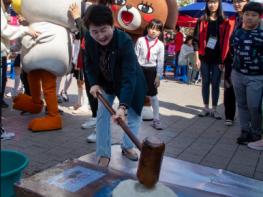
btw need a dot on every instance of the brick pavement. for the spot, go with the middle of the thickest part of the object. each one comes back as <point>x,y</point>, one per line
<point>204,141</point>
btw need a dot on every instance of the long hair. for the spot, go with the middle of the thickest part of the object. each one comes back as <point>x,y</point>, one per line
<point>219,13</point>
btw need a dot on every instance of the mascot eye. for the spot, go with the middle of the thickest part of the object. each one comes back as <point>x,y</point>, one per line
<point>145,8</point>
<point>119,2</point>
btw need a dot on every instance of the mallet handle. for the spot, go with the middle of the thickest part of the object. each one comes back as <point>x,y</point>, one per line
<point>122,124</point>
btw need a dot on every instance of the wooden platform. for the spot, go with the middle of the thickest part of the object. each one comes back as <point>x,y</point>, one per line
<point>83,178</point>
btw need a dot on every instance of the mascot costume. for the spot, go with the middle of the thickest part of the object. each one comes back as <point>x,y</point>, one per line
<point>45,58</point>
<point>133,16</point>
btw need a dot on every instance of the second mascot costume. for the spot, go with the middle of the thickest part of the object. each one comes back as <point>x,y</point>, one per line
<point>133,16</point>
<point>45,58</point>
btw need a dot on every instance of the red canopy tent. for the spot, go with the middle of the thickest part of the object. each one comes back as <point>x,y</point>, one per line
<point>186,21</point>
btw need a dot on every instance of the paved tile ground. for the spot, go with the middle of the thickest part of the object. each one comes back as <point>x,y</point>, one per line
<point>204,141</point>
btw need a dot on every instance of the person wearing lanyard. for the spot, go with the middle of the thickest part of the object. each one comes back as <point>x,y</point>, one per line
<point>209,45</point>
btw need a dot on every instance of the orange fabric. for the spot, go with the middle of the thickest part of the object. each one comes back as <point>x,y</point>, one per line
<point>53,120</point>
<point>25,103</point>
<point>46,123</point>
<point>35,85</point>
<point>49,90</point>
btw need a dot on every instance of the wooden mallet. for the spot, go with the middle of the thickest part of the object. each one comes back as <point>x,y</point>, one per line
<point>152,150</point>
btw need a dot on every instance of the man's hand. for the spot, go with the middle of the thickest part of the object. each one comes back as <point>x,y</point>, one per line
<point>157,81</point>
<point>94,90</point>
<point>120,113</point>
<point>74,11</point>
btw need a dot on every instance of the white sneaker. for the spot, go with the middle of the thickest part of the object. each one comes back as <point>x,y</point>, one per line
<point>92,137</point>
<point>9,94</point>
<point>7,135</point>
<point>229,122</point>
<point>257,145</point>
<point>91,123</point>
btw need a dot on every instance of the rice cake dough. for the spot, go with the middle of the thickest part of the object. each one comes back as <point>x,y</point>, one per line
<point>134,188</point>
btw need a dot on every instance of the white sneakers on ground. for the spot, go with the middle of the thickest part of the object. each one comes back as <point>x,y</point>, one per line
<point>7,135</point>
<point>90,123</point>
<point>157,125</point>
<point>257,145</point>
<point>229,122</point>
<point>92,137</point>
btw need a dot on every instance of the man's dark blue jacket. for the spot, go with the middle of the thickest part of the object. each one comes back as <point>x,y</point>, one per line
<point>129,84</point>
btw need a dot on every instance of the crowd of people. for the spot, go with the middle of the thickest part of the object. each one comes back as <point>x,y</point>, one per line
<point>108,62</point>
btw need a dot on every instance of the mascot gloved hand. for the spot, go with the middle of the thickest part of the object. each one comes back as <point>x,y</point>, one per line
<point>134,15</point>
<point>45,57</point>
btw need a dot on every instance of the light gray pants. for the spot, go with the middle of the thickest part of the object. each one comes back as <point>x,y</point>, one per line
<point>249,91</point>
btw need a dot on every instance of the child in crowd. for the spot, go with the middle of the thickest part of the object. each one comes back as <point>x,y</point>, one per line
<point>150,52</point>
<point>183,61</point>
<point>169,45</point>
<point>247,74</point>
<point>15,48</point>
<point>229,94</point>
<point>178,41</point>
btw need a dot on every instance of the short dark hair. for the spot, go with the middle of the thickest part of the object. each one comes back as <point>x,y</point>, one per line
<point>253,6</point>
<point>105,2</point>
<point>188,38</point>
<point>155,23</point>
<point>98,15</point>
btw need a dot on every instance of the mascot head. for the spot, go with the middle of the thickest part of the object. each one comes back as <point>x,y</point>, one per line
<point>46,10</point>
<point>133,15</point>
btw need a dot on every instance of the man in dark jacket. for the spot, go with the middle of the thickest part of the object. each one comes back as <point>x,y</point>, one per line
<point>112,70</point>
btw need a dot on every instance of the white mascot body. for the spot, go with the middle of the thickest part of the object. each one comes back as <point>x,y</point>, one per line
<point>45,58</point>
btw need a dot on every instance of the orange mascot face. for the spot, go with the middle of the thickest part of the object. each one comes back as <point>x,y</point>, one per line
<point>133,15</point>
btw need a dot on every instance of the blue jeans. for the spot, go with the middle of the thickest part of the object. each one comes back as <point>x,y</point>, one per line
<point>210,74</point>
<point>103,128</point>
<point>249,92</point>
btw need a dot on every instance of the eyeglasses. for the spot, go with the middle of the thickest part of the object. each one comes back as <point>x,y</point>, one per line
<point>240,1</point>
